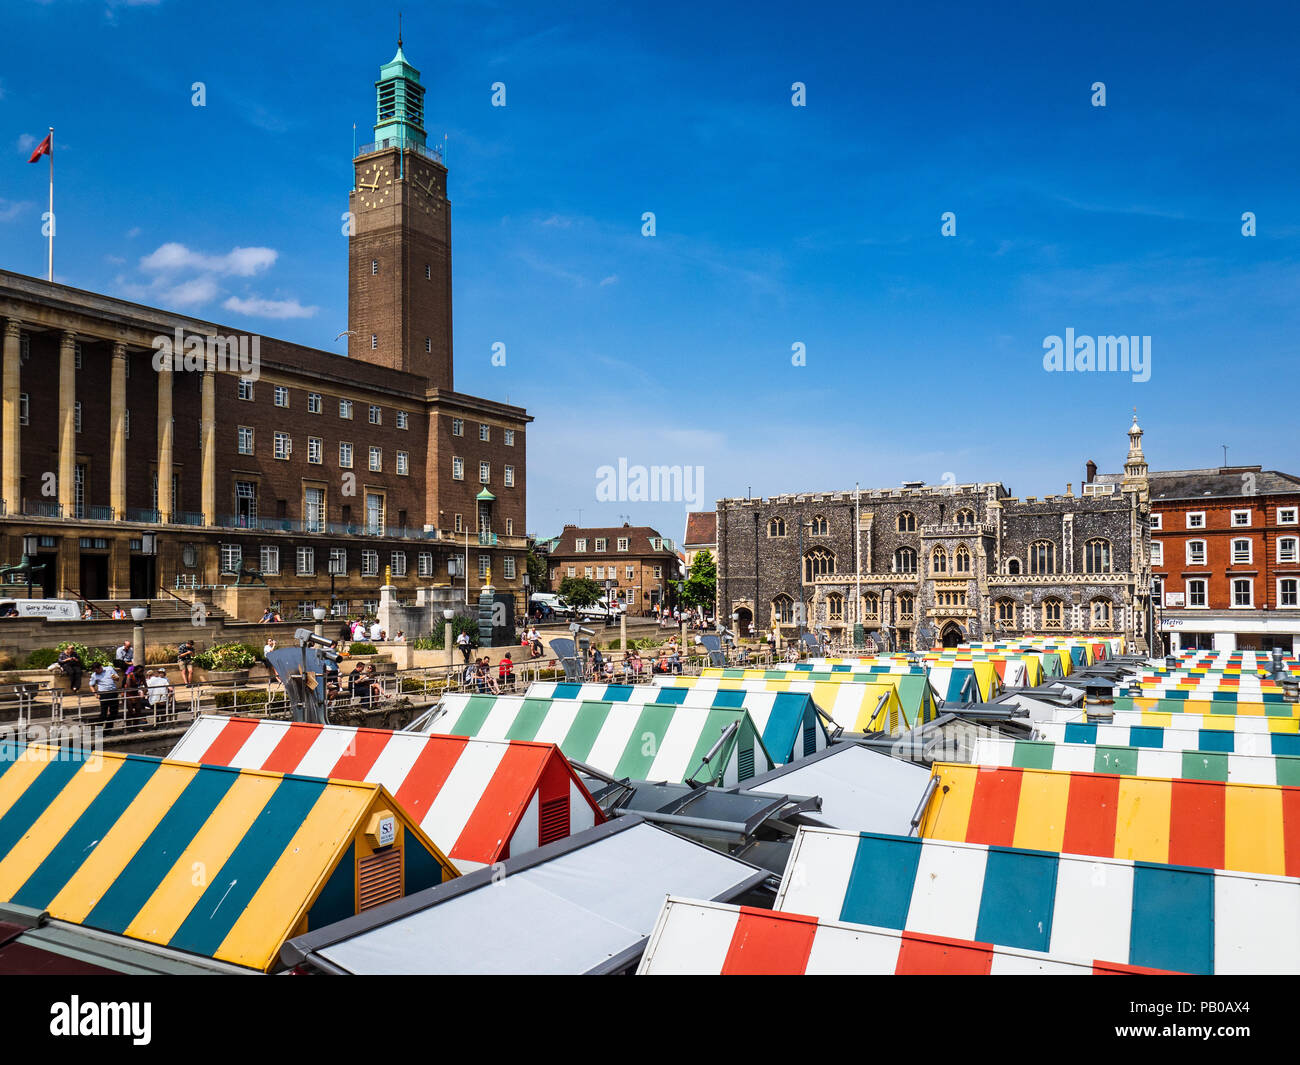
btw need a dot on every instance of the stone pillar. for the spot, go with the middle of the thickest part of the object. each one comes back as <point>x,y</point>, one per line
<point>165,442</point>
<point>117,433</point>
<point>208,430</point>
<point>67,422</point>
<point>11,442</point>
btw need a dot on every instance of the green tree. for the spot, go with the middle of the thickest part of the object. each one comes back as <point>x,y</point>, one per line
<point>538,580</point>
<point>581,591</point>
<point>701,585</point>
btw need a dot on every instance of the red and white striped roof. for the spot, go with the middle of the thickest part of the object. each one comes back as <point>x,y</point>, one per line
<point>480,800</point>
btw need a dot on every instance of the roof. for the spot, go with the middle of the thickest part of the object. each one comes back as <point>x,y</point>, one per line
<point>1228,482</point>
<point>479,800</point>
<point>1133,913</point>
<point>701,528</point>
<point>1252,828</point>
<point>1237,724</point>
<point>583,905</point>
<point>216,862</point>
<point>650,742</point>
<point>709,938</point>
<point>1183,736</point>
<point>859,788</point>
<point>638,537</point>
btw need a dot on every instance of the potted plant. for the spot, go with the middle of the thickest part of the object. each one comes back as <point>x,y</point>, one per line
<point>227,663</point>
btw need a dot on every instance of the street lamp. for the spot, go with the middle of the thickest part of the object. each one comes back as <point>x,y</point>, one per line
<point>138,614</point>
<point>30,546</point>
<point>318,612</point>
<point>447,615</point>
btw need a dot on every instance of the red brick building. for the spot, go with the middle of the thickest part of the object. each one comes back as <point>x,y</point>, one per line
<point>635,562</point>
<point>1225,557</point>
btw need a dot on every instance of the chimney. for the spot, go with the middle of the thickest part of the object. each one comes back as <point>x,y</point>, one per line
<point>1092,471</point>
<point>1069,488</point>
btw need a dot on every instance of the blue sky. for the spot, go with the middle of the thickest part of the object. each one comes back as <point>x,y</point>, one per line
<point>775,224</point>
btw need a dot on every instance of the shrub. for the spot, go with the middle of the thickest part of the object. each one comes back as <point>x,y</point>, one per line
<point>412,684</point>
<point>227,656</point>
<point>159,654</point>
<point>7,661</point>
<point>355,649</point>
<point>225,700</point>
<point>89,656</point>
<point>43,658</point>
<point>460,623</point>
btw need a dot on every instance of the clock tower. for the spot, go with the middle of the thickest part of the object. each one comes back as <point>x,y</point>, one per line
<point>399,249</point>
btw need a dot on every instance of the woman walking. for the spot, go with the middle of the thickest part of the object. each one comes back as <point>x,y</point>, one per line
<point>185,659</point>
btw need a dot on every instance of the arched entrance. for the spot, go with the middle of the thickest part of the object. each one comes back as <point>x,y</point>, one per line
<point>951,634</point>
<point>744,619</point>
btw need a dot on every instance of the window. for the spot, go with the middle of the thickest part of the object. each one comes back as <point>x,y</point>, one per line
<point>819,526</point>
<point>1196,552</point>
<point>76,416</point>
<point>783,609</point>
<point>1006,612</point>
<point>510,437</point>
<point>1100,613</point>
<point>485,473</point>
<point>1287,549</point>
<point>424,564</point>
<point>1052,610</point>
<point>245,388</point>
<point>1013,567</point>
<point>775,527</point>
<point>306,609</point>
<point>306,558</point>
<point>374,267</point>
<point>457,427</point>
<point>509,477</point>
<point>906,605</point>
<point>281,396</point>
<point>376,415</point>
<point>510,526</point>
<point>1196,519</point>
<point>602,545</point>
<point>399,563</point>
<point>283,445</point>
<point>484,432</point>
<point>245,440</point>
<point>1158,590</point>
<point>907,522</point>
<point>835,607</point>
<point>76,356</point>
<point>961,559</point>
<point>268,560</point>
<point>376,460</point>
<point>508,567</point>
<point>816,563</point>
<point>1096,556</point>
<point>245,504</point>
<point>314,509</point>
<point>965,517</point>
<point>659,572</point>
<point>939,561</point>
<point>1155,521</point>
<point>457,468</point>
<point>484,561</point>
<point>232,558</point>
<point>1241,552</point>
<point>459,528</point>
<point>345,409</point>
<point>1243,593</point>
<point>428,272</point>
<point>1042,557</point>
<point>370,563</point>
<point>403,464</point>
<point>374,513</point>
<point>1287,515</point>
<point>23,409</point>
<point>1241,517</point>
<point>905,560</point>
<point>315,450</point>
<point>338,564</point>
<point>629,572</point>
<point>1157,553</point>
<point>402,419</point>
<point>580,545</point>
<point>313,403</point>
<point>428,344</point>
<point>1288,592</point>
<point>622,543</point>
<point>1196,594</point>
<point>345,456</point>
<point>870,605</point>
<point>572,572</point>
<point>374,341</point>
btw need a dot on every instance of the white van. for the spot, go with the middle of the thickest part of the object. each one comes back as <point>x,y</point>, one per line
<point>53,609</point>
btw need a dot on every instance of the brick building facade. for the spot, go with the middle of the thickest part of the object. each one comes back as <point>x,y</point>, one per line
<point>636,561</point>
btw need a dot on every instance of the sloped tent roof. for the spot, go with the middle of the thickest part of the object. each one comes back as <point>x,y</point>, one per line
<point>1138,761</point>
<point>788,721</point>
<point>1010,668</point>
<point>1243,723</point>
<point>479,800</point>
<point>711,939</point>
<point>1202,703</point>
<point>650,742</point>
<point>859,788</point>
<point>1252,828</point>
<point>218,862</point>
<point>584,905</point>
<point>1133,913</point>
<point>1126,733</point>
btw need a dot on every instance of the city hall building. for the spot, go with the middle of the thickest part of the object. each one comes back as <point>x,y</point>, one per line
<point>143,449</point>
<point>922,565</point>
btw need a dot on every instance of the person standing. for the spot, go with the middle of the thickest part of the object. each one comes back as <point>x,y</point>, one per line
<point>185,659</point>
<point>103,681</point>
<point>462,641</point>
<point>345,633</point>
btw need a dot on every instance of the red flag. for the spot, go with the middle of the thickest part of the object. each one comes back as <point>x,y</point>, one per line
<point>46,147</point>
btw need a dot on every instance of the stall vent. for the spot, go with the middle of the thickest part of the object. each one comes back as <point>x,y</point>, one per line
<point>380,878</point>
<point>746,760</point>
<point>555,820</point>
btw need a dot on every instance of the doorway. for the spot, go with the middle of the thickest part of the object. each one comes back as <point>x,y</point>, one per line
<point>143,584</point>
<point>94,577</point>
<point>744,619</point>
<point>951,635</point>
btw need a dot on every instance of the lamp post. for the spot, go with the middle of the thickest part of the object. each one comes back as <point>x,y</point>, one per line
<point>318,612</point>
<point>138,614</point>
<point>447,615</point>
<point>30,546</point>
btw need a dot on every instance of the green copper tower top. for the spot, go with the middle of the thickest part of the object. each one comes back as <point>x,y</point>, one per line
<point>400,99</point>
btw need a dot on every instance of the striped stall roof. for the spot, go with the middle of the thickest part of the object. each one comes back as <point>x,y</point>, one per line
<point>651,742</point>
<point>219,862</point>
<point>1135,913</point>
<point>1218,740</point>
<point>480,800</point>
<point>1252,828</point>
<point>710,938</point>
<point>788,721</point>
<point>1176,702</point>
<point>1138,761</point>
<point>1256,724</point>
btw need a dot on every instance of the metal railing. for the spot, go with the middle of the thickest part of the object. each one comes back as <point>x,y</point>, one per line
<point>98,513</point>
<point>42,508</point>
<point>187,517</point>
<point>152,517</point>
<point>434,153</point>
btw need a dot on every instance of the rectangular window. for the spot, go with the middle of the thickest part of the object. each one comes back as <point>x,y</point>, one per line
<point>374,513</point>
<point>457,468</point>
<point>1196,519</point>
<point>374,341</point>
<point>313,403</point>
<point>459,526</point>
<point>457,427</point>
<point>600,573</point>
<point>374,267</point>
<point>580,545</point>
<point>1196,552</point>
<point>281,396</point>
<point>76,356</point>
<point>245,388</point>
<point>376,415</point>
<point>1196,593</point>
<point>484,561</point>
<point>314,509</point>
<point>510,438</point>
<point>485,473</point>
<point>656,543</point>
<point>245,503</point>
<point>1241,517</point>
<point>510,477</point>
<point>376,460</point>
<point>232,558</point>
<point>402,418</point>
<point>23,410</point>
<point>428,272</point>
<point>370,563</point>
<point>1157,553</point>
<point>283,445</point>
<point>1287,515</point>
<point>345,409</point>
<point>510,526</point>
<point>399,563</point>
<point>629,572</point>
<point>508,567</point>
<point>345,456</point>
<point>338,561</point>
<point>126,423</point>
<point>269,560</point>
<point>572,572</point>
<point>76,408</point>
<point>1243,594</point>
<point>586,572</point>
<point>315,450</point>
<point>1287,549</point>
<point>1288,592</point>
<point>1241,552</point>
<point>602,545</point>
<point>424,564</point>
<point>403,464</point>
<point>1155,521</point>
<point>484,432</point>
<point>622,543</point>
<point>659,572</point>
<point>245,440</point>
<point>306,561</point>
<point>428,344</point>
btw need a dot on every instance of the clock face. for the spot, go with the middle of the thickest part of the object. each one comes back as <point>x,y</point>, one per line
<point>374,184</point>
<point>427,195</point>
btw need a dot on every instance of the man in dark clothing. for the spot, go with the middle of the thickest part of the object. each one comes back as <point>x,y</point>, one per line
<point>73,666</point>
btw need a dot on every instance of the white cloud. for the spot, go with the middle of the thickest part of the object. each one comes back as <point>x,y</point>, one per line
<point>240,262</point>
<point>26,142</point>
<point>262,308</point>
<point>189,293</point>
<point>132,233</point>
<point>11,209</point>
<point>611,280</point>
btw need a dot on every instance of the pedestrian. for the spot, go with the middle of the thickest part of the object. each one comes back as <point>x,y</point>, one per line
<point>345,633</point>
<point>124,655</point>
<point>119,614</point>
<point>103,681</point>
<point>133,690</point>
<point>72,666</point>
<point>185,659</point>
<point>462,641</point>
<point>506,672</point>
<point>376,633</point>
<point>268,648</point>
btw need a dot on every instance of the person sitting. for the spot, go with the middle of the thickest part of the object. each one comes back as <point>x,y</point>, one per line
<point>608,674</point>
<point>158,691</point>
<point>133,691</point>
<point>537,650</point>
<point>268,615</point>
<point>71,664</point>
<point>489,681</point>
<point>362,685</point>
<point>661,663</point>
<point>675,661</point>
<point>400,637</point>
<point>86,615</point>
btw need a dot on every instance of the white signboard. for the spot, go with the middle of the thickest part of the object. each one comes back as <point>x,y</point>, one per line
<point>1174,598</point>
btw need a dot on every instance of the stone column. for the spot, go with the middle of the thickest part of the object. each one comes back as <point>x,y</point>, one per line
<point>117,433</point>
<point>165,442</point>
<point>11,441</point>
<point>208,433</point>
<point>67,422</point>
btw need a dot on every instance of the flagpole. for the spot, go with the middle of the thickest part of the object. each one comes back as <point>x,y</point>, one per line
<point>51,267</point>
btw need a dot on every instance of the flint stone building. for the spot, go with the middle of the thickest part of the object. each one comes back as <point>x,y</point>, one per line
<point>943,564</point>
